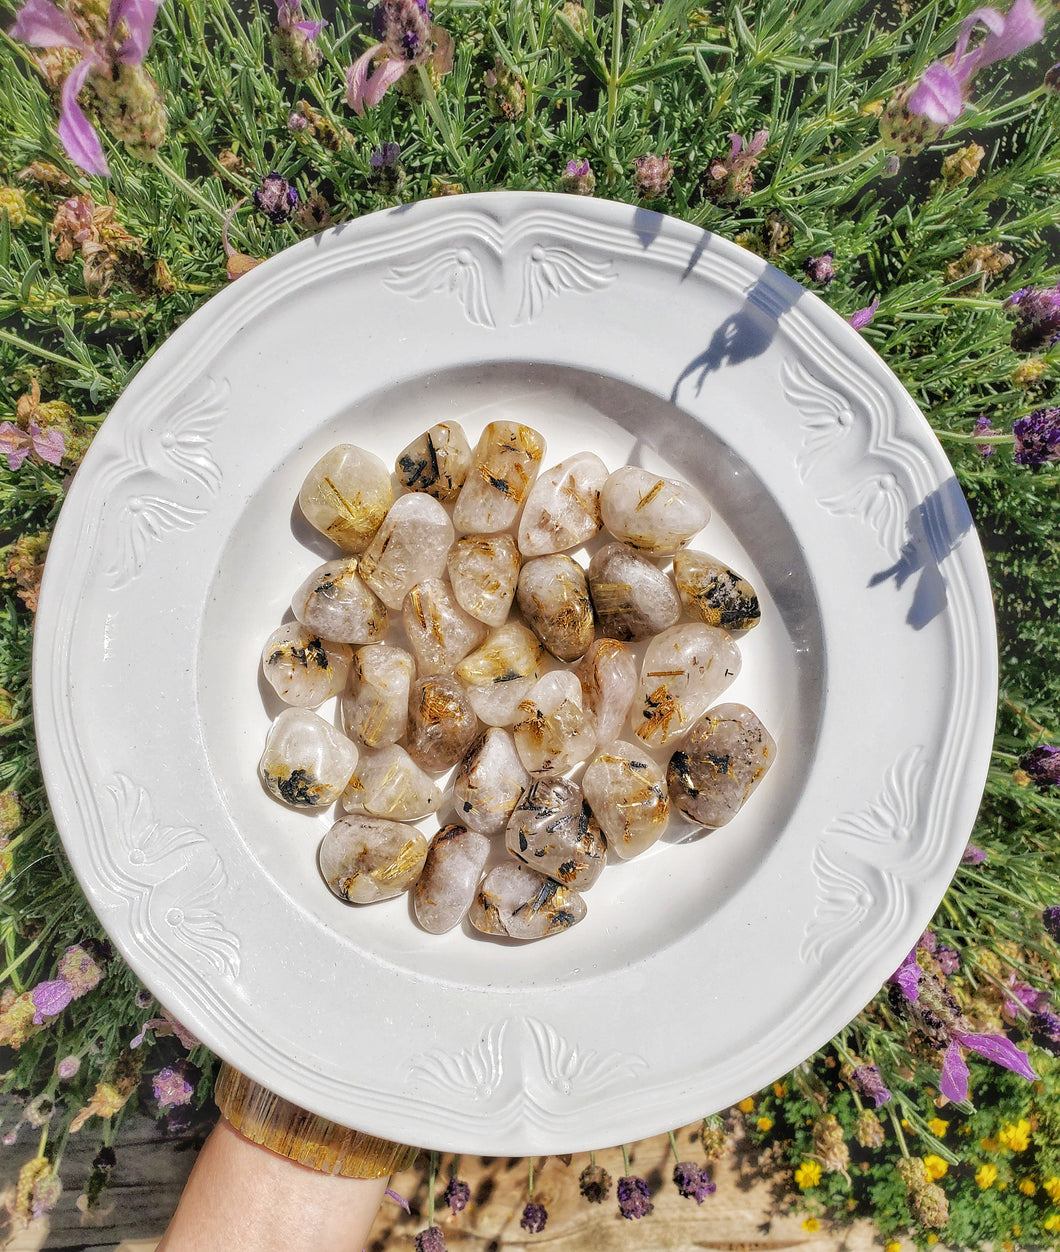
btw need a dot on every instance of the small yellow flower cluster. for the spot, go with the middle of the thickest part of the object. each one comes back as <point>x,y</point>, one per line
<point>13,203</point>
<point>1051,1187</point>
<point>746,1106</point>
<point>1052,1222</point>
<point>764,1124</point>
<point>936,1167</point>
<point>938,1127</point>
<point>808,1175</point>
<point>1016,1138</point>
<point>986,1176</point>
<point>811,1224</point>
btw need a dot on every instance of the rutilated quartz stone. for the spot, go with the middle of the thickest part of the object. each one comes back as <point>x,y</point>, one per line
<point>450,877</point>
<point>608,675</point>
<point>387,782</point>
<point>651,513</point>
<point>503,468</point>
<point>684,670</point>
<point>441,725</point>
<point>346,495</point>
<point>306,762</point>
<point>562,509</point>
<point>410,545</point>
<point>335,603</point>
<point>375,704</point>
<point>499,674</point>
<point>553,732</point>
<point>632,597</point>
<point>554,598</point>
<point>489,781</point>
<point>437,462</point>
<point>519,903</point>
<point>626,791</point>
<point>722,760</point>
<point>714,593</point>
<point>484,570</point>
<point>303,669</point>
<point>440,633</point>
<point>366,859</point>
<point>554,831</point>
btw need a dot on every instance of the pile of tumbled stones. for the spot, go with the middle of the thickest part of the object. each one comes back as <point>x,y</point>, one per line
<point>473,558</point>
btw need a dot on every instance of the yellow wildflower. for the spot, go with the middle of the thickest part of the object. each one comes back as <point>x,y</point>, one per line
<point>1052,1222</point>
<point>936,1167</point>
<point>808,1175</point>
<point>1016,1137</point>
<point>989,1145</point>
<point>986,1176</point>
<point>765,1123</point>
<point>746,1106</point>
<point>780,1090</point>
<point>938,1127</point>
<point>893,1246</point>
<point>1051,1187</point>
<point>932,1238</point>
<point>1028,1186</point>
<point>811,1224</point>
<point>13,203</point>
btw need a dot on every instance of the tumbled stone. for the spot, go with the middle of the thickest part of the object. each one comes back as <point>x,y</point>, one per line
<point>554,831</point>
<point>440,633</point>
<point>632,597</point>
<point>335,603</point>
<point>306,762</point>
<point>450,878</point>
<point>442,725</point>
<point>484,570</point>
<point>608,675</point>
<point>489,781</point>
<point>714,593</point>
<point>553,731</point>
<point>627,793</point>
<point>554,598</point>
<point>519,903</point>
<point>503,468</point>
<point>365,859</point>
<point>722,760</point>
<point>684,671</point>
<point>437,462</point>
<point>346,496</point>
<point>562,508</point>
<point>651,513</point>
<point>387,782</point>
<point>410,545</point>
<point>303,669</point>
<point>499,674</point>
<point>375,704</point>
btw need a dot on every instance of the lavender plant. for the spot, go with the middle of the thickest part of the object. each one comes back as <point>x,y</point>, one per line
<point>901,159</point>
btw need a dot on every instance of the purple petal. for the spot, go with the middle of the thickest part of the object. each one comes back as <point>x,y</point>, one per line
<point>907,975</point>
<point>50,998</point>
<point>49,445</point>
<point>357,79</point>
<point>938,95</point>
<point>1021,27</point>
<point>398,1199</point>
<point>385,76</point>
<point>76,132</point>
<point>953,1083</point>
<point>737,147</point>
<point>1001,1051</point>
<point>139,16</point>
<point>859,321</point>
<point>311,30</point>
<point>44,26</point>
<point>758,142</point>
<point>991,19</point>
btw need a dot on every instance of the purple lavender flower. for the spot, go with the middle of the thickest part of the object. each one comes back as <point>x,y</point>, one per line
<point>430,1240</point>
<point>862,317</point>
<point>634,1198</point>
<point>50,998</point>
<point>973,855</point>
<point>1038,441</point>
<point>287,15</point>
<point>949,959</point>
<point>68,1066</point>
<point>1022,997</point>
<point>941,94</point>
<point>1043,765</point>
<point>276,198</point>
<point>652,175</point>
<point>1051,921</point>
<point>983,427</point>
<point>1045,1032</point>
<point>17,444</point>
<point>578,178</point>
<point>692,1181</point>
<point>407,38</point>
<point>534,1218</point>
<point>129,26</point>
<point>907,977</point>
<point>457,1195</point>
<point>171,1086</point>
<point>953,1081</point>
<point>819,269</point>
<point>731,179</point>
<point>869,1081</point>
<point>1037,311</point>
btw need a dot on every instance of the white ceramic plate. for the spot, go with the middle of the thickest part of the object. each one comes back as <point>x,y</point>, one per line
<point>705,968</point>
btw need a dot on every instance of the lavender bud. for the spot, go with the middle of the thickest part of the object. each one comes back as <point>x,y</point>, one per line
<point>457,1195</point>
<point>534,1218</point>
<point>1043,762</point>
<point>276,198</point>
<point>634,1198</point>
<point>652,175</point>
<point>819,269</point>
<point>578,178</point>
